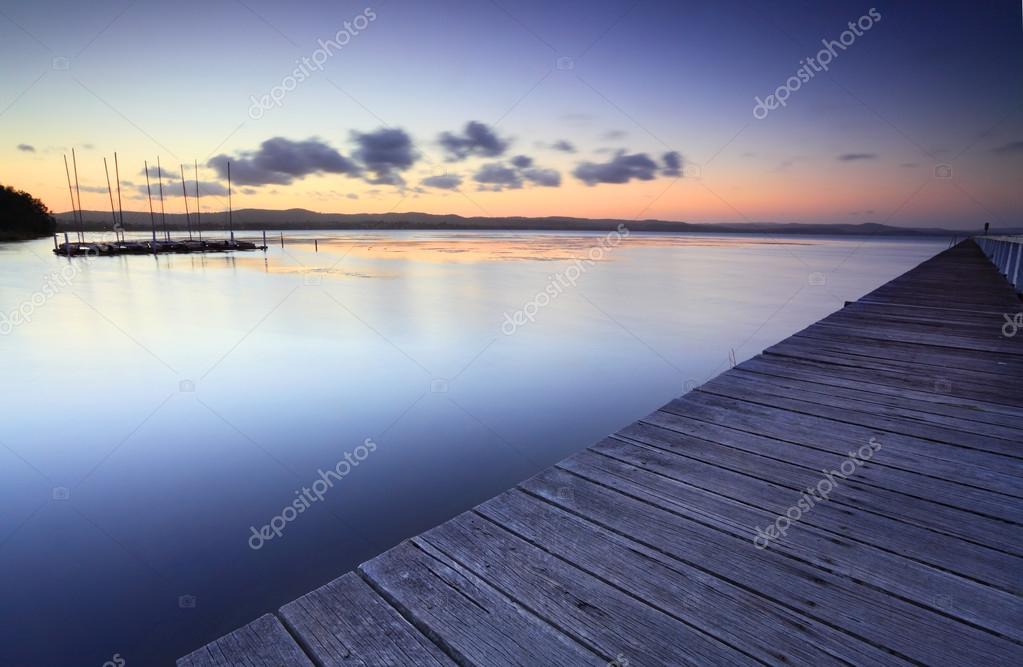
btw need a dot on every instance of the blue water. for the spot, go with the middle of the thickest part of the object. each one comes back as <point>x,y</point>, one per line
<point>158,410</point>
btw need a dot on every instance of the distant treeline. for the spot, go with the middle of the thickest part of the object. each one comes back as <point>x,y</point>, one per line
<point>22,216</point>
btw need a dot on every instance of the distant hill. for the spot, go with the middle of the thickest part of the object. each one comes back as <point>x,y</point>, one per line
<point>298,218</point>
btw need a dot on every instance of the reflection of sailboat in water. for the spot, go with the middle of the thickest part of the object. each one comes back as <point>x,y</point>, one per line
<point>154,246</point>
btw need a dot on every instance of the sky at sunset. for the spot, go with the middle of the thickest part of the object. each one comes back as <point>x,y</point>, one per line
<point>617,109</point>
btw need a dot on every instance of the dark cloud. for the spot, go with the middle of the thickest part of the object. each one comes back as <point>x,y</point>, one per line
<point>909,165</point>
<point>172,189</point>
<point>352,195</point>
<point>496,176</point>
<point>443,181</point>
<point>475,139</point>
<point>301,158</point>
<point>548,178</point>
<point>499,176</point>
<point>620,169</point>
<point>672,164</point>
<point>27,148</point>
<point>154,173</point>
<point>613,135</point>
<point>1011,148</point>
<point>386,153</point>
<point>97,189</point>
<point>280,161</point>
<point>564,146</point>
<point>852,157</point>
<point>214,188</point>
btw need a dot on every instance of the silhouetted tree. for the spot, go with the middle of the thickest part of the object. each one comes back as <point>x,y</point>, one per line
<point>22,216</point>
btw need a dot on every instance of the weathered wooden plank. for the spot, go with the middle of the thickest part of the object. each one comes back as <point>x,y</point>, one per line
<point>883,404</point>
<point>933,379</point>
<point>262,643</point>
<point>914,313</point>
<point>930,347</point>
<point>346,624</point>
<point>987,328</point>
<point>863,612</point>
<point>968,367</point>
<point>949,431</point>
<point>935,295</point>
<point>467,617</point>
<point>592,611</point>
<point>923,313</point>
<point>951,465</point>
<point>779,635</point>
<point>893,391</point>
<point>921,300</point>
<point>779,462</point>
<point>969,498</point>
<point>888,554</point>
<point>968,336</point>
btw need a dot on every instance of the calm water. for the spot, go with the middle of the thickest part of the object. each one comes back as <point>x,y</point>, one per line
<point>157,410</point>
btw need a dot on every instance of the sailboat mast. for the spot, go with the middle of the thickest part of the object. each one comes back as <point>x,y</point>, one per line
<point>81,222</point>
<point>110,191</point>
<point>188,218</point>
<point>198,211</point>
<point>230,220</point>
<point>163,213</point>
<point>120,210</point>
<point>152,216</point>
<point>70,191</point>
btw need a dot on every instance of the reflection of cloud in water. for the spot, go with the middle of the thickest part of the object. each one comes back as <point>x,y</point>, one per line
<point>497,246</point>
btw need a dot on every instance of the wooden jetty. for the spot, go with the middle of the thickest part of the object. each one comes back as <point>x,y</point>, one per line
<point>155,247</point>
<point>644,550</point>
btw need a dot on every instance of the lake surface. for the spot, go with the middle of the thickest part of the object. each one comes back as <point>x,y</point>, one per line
<point>159,412</point>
